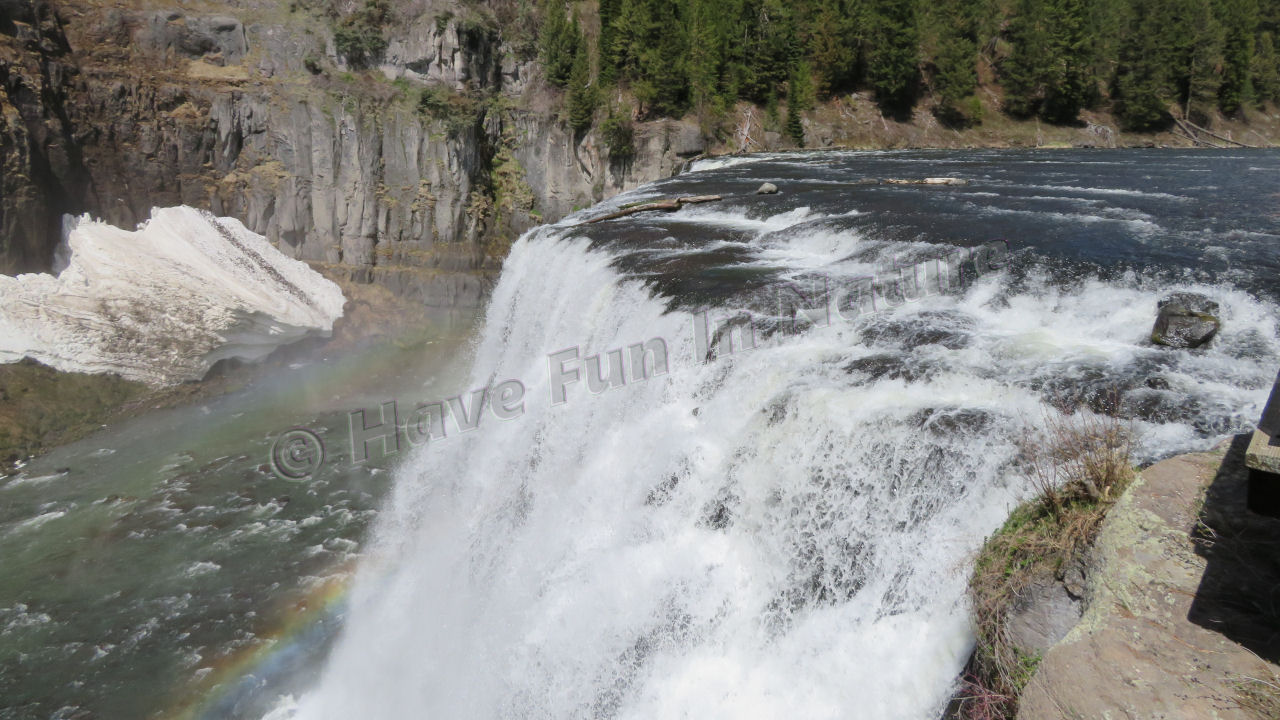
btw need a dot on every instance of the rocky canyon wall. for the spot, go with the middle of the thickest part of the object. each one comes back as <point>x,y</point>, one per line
<point>248,110</point>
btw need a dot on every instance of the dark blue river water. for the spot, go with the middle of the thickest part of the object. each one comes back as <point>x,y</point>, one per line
<point>1164,215</point>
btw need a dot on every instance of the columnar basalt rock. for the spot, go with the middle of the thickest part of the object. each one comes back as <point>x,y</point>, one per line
<point>252,113</point>
<point>40,166</point>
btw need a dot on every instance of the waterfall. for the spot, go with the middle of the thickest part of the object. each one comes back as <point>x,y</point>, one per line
<point>782,531</point>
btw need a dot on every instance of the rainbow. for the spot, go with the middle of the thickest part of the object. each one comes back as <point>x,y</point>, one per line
<point>238,679</point>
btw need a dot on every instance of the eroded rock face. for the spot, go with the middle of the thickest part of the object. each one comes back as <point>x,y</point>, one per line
<point>171,33</point>
<point>1186,320</point>
<point>164,303</point>
<point>458,54</point>
<point>41,170</point>
<point>248,112</point>
<point>565,175</point>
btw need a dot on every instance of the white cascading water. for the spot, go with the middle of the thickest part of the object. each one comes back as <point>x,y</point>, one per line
<point>764,536</point>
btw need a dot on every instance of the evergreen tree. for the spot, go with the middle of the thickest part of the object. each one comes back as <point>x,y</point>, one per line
<point>894,53</point>
<point>1107,21</point>
<point>800,98</point>
<point>583,97</point>
<point>1157,57</point>
<point>1143,87</point>
<point>1266,63</point>
<point>1192,45</point>
<point>1066,84</point>
<point>830,35</point>
<point>1240,18</point>
<point>661,82</point>
<point>770,50</point>
<point>1048,72</point>
<point>956,64</point>
<point>630,32</point>
<point>1026,68</point>
<point>609,10</point>
<point>1266,69</point>
<point>707,41</point>
<point>1269,17</point>
<point>559,42</point>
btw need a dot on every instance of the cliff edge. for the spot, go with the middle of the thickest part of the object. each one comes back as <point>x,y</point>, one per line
<point>1182,605</point>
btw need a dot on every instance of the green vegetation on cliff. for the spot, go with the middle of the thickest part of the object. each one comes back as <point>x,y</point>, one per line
<point>359,36</point>
<point>1149,60</point>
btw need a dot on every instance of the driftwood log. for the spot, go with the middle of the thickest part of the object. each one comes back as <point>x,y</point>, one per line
<point>664,205</point>
<point>1191,129</point>
<point>1191,135</point>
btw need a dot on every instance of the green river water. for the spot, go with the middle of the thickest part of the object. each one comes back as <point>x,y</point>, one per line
<point>138,561</point>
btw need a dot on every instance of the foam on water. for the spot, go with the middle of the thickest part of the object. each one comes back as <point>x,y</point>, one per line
<point>708,215</point>
<point>724,162</point>
<point>696,540</point>
<point>35,522</point>
<point>1123,192</point>
<point>1136,220</point>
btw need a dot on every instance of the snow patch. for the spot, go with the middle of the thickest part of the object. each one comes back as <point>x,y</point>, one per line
<point>163,303</point>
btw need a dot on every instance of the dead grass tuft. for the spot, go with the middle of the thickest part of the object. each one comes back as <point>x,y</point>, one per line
<point>1079,465</point>
<point>1260,696</point>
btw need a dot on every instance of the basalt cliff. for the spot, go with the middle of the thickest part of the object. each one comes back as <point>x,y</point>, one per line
<point>247,109</point>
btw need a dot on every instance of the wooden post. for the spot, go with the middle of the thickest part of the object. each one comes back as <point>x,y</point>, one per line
<point>1263,459</point>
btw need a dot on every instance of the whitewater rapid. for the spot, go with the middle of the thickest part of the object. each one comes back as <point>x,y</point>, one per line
<point>781,532</point>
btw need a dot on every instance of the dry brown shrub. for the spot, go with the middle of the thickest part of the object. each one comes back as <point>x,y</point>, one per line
<point>1079,464</point>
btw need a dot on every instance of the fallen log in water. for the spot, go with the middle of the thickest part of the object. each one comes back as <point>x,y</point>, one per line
<point>928,181</point>
<point>664,205</point>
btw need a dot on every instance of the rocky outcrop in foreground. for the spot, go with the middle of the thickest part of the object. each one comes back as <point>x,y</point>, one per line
<point>1182,596</point>
<point>163,304</point>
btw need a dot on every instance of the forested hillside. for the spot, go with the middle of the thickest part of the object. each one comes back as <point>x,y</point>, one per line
<point>1148,61</point>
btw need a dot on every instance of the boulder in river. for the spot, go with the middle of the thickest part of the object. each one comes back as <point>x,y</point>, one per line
<point>1186,320</point>
<point>767,189</point>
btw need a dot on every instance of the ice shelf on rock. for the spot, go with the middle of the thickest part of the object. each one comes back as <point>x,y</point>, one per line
<point>163,303</point>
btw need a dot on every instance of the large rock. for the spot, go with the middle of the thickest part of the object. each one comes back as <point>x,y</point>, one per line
<point>461,55</point>
<point>1186,320</point>
<point>164,303</point>
<point>170,33</point>
<point>686,139</point>
<point>1158,638</point>
<point>1044,615</point>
